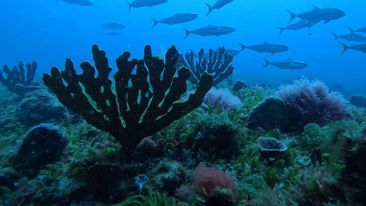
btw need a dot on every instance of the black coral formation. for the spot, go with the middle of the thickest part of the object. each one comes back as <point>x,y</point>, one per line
<point>146,96</point>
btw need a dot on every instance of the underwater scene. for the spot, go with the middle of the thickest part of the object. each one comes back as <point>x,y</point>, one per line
<point>183,102</point>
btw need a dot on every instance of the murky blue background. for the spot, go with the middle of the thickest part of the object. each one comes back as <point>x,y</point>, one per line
<point>49,31</point>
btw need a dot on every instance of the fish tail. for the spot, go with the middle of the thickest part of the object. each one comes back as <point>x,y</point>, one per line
<point>281,30</point>
<point>187,33</point>
<point>345,47</point>
<point>242,46</point>
<point>155,22</point>
<point>351,30</point>
<point>210,8</point>
<point>266,63</point>
<point>129,7</point>
<point>292,15</point>
<point>335,36</point>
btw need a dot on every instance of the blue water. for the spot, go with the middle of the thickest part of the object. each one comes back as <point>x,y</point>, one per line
<point>49,31</point>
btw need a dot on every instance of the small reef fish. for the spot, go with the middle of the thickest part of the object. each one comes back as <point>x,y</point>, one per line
<point>218,5</point>
<point>144,3</point>
<point>358,47</point>
<point>298,25</point>
<point>113,26</point>
<point>350,37</point>
<point>318,14</point>
<point>178,18</point>
<point>266,47</point>
<point>288,64</point>
<point>78,2</point>
<point>361,30</point>
<point>210,30</point>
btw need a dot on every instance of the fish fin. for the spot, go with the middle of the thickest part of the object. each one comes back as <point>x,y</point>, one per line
<point>315,7</point>
<point>187,33</point>
<point>345,47</point>
<point>281,30</point>
<point>351,30</point>
<point>155,22</point>
<point>266,63</point>
<point>210,8</point>
<point>242,46</point>
<point>335,36</point>
<point>292,15</point>
<point>326,21</point>
<point>129,7</point>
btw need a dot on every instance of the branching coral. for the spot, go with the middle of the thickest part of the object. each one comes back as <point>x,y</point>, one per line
<point>19,79</point>
<point>217,63</point>
<point>143,102</point>
<point>312,102</point>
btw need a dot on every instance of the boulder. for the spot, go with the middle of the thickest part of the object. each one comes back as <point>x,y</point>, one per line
<point>43,144</point>
<point>358,101</point>
<point>270,114</point>
<point>39,106</point>
<point>239,85</point>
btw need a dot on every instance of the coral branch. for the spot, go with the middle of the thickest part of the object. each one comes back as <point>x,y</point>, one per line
<point>217,63</point>
<point>19,79</point>
<point>144,101</point>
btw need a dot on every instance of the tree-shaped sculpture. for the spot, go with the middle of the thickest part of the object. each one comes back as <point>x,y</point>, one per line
<point>216,63</point>
<point>19,79</point>
<point>142,102</point>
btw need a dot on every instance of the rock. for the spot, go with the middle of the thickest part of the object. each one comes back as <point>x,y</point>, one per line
<point>358,101</point>
<point>216,140</point>
<point>184,192</point>
<point>42,145</point>
<point>271,147</point>
<point>168,176</point>
<point>270,114</point>
<point>104,177</point>
<point>239,85</point>
<point>220,197</point>
<point>39,106</point>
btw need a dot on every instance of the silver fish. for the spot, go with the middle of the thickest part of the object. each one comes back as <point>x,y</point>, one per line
<point>218,5</point>
<point>358,47</point>
<point>144,3</point>
<point>78,2</point>
<point>298,25</point>
<point>318,14</point>
<point>361,30</point>
<point>176,19</point>
<point>350,37</point>
<point>210,30</point>
<point>288,64</point>
<point>266,47</point>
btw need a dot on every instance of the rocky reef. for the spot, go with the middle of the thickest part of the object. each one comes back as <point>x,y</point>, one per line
<point>142,138</point>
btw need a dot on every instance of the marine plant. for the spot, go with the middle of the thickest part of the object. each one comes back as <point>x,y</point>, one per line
<point>312,102</point>
<point>19,80</point>
<point>141,104</point>
<point>222,98</point>
<point>152,199</point>
<point>217,63</point>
